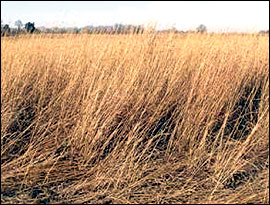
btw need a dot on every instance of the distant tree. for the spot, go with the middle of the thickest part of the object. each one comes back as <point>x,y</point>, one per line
<point>119,28</point>
<point>30,27</point>
<point>201,29</point>
<point>172,30</point>
<point>75,30</point>
<point>18,24</point>
<point>5,30</point>
<point>6,27</point>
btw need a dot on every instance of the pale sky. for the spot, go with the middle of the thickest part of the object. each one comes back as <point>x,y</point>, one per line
<point>249,16</point>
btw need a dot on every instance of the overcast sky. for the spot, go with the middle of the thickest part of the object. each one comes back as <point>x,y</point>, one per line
<point>249,16</point>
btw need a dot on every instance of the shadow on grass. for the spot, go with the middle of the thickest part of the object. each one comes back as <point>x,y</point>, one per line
<point>18,133</point>
<point>245,113</point>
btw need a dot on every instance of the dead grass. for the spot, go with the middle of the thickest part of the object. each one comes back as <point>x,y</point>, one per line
<point>149,118</point>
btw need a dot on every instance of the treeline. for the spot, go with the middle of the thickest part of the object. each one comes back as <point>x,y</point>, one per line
<point>112,29</point>
<point>115,29</point>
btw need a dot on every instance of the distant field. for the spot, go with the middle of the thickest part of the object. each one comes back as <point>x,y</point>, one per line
<point>151,118</point>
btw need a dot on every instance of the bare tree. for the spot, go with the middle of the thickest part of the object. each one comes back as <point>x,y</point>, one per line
<point>201,29</point>
<point>18,24</point>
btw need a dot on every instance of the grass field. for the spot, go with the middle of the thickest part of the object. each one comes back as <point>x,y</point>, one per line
<point>151,118</point>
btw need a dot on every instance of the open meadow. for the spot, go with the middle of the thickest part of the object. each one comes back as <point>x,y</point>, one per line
<point>148,118</point>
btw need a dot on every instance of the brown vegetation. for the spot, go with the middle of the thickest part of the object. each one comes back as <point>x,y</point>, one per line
<point>151,118</point>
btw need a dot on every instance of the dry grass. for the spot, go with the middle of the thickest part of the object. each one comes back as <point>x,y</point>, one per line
<point>151,118</point>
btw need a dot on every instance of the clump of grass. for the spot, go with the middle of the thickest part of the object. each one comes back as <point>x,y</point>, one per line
<point>151,118</point>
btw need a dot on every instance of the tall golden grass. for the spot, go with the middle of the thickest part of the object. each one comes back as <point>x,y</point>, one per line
<point>151,118</point>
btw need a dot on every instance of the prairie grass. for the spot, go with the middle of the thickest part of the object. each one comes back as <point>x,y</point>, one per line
<point>151,118</point>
